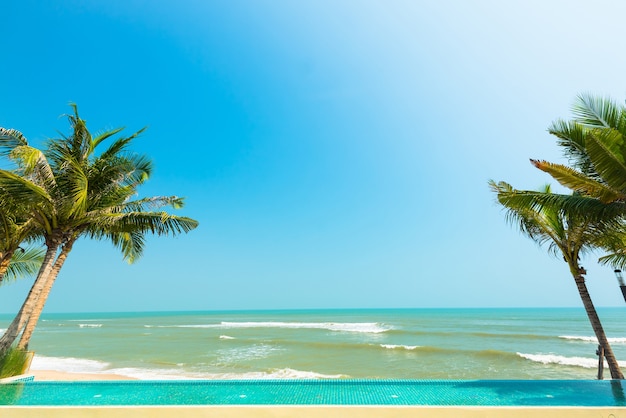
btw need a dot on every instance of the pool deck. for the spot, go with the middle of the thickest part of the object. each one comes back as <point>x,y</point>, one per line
<point>307,412</point>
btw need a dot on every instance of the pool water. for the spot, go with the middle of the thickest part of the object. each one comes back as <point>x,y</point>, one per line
<point>318,392</point>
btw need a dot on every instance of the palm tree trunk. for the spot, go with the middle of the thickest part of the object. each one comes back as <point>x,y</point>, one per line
<point>22,316</point>
<point>616,372</point>
<point>43,297</point>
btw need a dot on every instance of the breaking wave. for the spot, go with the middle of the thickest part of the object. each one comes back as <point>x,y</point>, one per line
<point>592,339</point>
<point>68,364</point>
<point>81,365</point>
<point>362,327</point>
<point>400,347</point>
<point>173,374</point>
<point>586,362</point>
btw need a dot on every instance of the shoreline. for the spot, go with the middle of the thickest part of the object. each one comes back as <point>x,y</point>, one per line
<point>55,375</point>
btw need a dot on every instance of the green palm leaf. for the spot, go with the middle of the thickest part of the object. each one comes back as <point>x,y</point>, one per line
<point>17,188</point>
<point>579,182</point>
<point>103,137</point>
<point>10,139</point>
<point>24,263</point>
<point>607,149</point>
<point>597,112</point>
<point>572,138</point>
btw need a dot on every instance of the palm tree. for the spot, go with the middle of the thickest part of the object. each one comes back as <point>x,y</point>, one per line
<point>71,192</point>
<point>567,234</point>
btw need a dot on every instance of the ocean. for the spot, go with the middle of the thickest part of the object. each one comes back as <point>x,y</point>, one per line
<point>556,343</point>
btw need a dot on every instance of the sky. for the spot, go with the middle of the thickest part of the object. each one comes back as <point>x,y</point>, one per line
<point>336,154</point>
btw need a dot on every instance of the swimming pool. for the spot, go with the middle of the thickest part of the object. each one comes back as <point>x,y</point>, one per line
<point>590,393</point>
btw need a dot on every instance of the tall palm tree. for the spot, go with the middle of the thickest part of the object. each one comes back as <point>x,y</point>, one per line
<point>72,191</point>
<point>567,234</point>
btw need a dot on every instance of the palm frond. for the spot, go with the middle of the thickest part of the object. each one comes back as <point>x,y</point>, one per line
<point>158,223</point>
<point>32,163</point>
<point>542,223</point>
<point>597,112</point>
<point>615,260</point>
<point>607,149</point>
<point>78,190</point>
<point>19,189</point>
<point>130,243</point>
<point>571,137</point>
<point>9,139</point>
<point>558,221</point>
<point>103,137</point>
<point>151,203</point>
<point>584,207</point>
<point>80,140</point>
<point>579,182</point>
<point>120,144</point>
<point>24,263</point>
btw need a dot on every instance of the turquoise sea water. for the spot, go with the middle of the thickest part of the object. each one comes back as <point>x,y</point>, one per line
<point>333,344</point>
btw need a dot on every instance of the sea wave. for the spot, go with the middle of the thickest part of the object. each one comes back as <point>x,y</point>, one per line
<point>90,325</point>
<point>361,327</point>
<point>68,364</point>
<point>514,336</point>
<point>174,374</point>
<point>592,339</point>
<point>154,374</point>
<point>400,347</point>
<point>239,354</point>
<point>81,365</point>
<point>288,373</point>
<point>87,320</point>
<point>226,337</point>
<point>586,362</point>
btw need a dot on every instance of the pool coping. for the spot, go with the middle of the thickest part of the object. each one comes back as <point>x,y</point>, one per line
<point>306,411</point>
<point>18,378</point>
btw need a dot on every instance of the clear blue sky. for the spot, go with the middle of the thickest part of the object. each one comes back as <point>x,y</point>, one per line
<point>335,153</point>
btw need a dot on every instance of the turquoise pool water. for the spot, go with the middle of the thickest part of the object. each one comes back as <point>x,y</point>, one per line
<point>319,392</point>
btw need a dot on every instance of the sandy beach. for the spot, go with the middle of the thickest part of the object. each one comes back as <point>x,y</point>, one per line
<point>41,375</point>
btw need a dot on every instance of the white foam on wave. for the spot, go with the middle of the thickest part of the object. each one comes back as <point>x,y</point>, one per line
<point>226,337</point>
<point>399,347</point>
<point>90,325</point>
<point>80,365</point>
<point>155,374</point>
<point>173,374</point>
<point>68,364</point>
<point>238,354</point>
<point>87,320</point>
<point>586,362</point>
<point>363,327</point>
<point>288,373</point>
<point>592,339</point>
